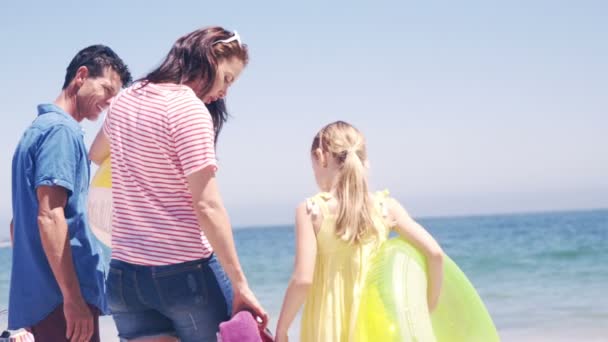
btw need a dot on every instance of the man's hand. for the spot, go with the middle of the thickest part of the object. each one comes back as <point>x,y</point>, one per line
<point>79,320</point>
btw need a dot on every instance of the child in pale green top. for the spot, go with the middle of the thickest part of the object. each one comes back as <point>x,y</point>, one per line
<point>337,231</point>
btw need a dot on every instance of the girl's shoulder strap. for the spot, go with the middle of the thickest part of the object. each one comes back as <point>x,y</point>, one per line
<point>318,204</point>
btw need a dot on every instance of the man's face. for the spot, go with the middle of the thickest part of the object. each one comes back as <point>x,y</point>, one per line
<point>95,93</point>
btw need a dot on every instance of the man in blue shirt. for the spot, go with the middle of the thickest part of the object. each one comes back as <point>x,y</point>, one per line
<point>57,281</point>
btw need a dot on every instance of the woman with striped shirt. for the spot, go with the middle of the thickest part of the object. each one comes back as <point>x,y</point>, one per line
<point>169,226</point>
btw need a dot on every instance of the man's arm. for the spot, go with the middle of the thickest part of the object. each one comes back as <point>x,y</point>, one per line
<point>56,244</point>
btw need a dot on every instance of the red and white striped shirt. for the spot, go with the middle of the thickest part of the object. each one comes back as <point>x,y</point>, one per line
<point>159,134</point>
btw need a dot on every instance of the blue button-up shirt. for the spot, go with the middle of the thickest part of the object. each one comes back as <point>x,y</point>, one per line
<point>51,152</point>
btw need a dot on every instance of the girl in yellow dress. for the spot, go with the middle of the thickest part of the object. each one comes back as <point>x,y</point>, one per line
<point>337,232</point>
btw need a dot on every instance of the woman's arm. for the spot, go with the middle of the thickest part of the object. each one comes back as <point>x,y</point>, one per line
<point>214,222</point>
<point>301,279</point>
<point>100,149</point>
<point>425,243</point>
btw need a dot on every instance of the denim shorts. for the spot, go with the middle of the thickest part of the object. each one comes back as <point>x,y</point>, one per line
<point>187,300</point>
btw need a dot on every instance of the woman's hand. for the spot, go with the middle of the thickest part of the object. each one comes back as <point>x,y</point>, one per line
<point>244,299</point>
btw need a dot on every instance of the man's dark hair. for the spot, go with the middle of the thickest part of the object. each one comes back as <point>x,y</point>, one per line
<point>97,58</point>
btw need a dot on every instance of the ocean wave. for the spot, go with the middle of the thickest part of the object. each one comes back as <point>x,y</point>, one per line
<point>569,254</point>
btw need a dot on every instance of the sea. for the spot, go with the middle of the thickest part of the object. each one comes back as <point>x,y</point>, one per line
<point>542,276</point>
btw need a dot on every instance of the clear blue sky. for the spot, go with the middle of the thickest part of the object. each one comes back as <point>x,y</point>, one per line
<point>469,106</point>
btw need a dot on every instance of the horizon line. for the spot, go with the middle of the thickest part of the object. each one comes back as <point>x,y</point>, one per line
<point>455,216</point>
<point>4,241</point>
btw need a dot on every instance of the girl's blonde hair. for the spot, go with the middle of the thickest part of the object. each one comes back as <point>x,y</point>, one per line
<point>355,209</point>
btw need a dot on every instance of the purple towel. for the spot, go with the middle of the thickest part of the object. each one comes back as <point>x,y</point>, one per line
<point>242,327</point>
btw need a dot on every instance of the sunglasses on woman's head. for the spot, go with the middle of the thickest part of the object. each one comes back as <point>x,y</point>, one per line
<point>234,37</point>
